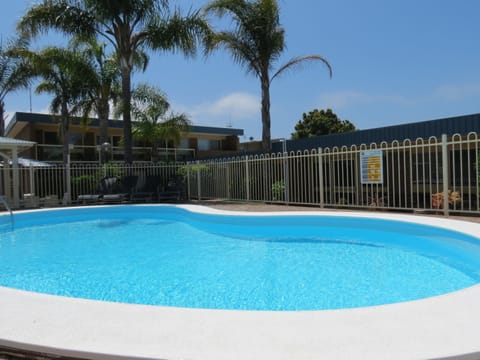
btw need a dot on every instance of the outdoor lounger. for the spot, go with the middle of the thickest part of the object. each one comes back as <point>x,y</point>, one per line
<point>174,190</point>
<point>105,186</point>
<point>111,189</point>
<point>147,191</point>
<point>122,190</point>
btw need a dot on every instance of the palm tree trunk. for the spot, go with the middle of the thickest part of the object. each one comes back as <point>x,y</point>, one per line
<point>65,131</point>
<point>2,118</point>
<point>266,138</point>
<point>127,117</point>
<point>103,113</point>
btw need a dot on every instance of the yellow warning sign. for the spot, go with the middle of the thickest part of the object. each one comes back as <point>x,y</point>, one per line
<point>371,166</point>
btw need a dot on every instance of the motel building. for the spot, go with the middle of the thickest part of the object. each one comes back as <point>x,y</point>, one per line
<point>43,129</point>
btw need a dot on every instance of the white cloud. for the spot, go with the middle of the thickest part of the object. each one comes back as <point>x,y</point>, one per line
<point>347,98</point>
<point>237,105</point>
<point>238,110</point>
<point>449,93</point>
<point>456,92</point>
<point>45,110</point>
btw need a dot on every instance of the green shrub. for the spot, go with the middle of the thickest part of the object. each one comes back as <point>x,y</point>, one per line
<point>278,190</point>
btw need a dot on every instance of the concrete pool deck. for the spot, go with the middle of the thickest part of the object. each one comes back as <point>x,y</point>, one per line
<point>437,327</point>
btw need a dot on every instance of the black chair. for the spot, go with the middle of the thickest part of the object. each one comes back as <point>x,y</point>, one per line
<point>148,190</point>
<point>105,186</point>
<point>174,190</point>
<point>122,190</point>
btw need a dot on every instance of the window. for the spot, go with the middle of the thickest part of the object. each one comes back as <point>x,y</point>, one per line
<point>76,139</point>
<point>184,144</point>
<point>51,138</point>
<point>208,145</point>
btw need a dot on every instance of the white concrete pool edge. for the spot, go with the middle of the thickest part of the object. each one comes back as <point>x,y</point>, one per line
<point>465,227</point>
<point>436,327</point>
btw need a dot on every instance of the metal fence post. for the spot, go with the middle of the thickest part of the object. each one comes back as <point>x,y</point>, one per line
<point>286,176</point>
<point>227,169</point>
<point>16,180</point>
<point>31,181</point>
<point>446,171</point>
<point>247,179</point>
<point>3,173</point>
<point>320,176</point>
<point>67,197</point>
<point>189,197</point>
<point>199,179</point>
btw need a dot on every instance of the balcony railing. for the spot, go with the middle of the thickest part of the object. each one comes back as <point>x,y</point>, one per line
<point>93,154</point>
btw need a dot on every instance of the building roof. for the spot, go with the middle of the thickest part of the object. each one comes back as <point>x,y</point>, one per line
<point>20,117</point>
<point>10,144</point>
<point>8,147</point>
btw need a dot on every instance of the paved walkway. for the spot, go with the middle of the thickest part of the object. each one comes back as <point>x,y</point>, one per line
<point>263,207</point>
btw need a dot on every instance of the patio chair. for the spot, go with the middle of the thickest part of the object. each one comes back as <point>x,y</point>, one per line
<point>174,190</point>
<point>148,190</point>
<point>122,190</point>
<point>105,186</point>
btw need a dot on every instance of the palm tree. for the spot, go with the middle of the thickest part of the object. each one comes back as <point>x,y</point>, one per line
<point>257,42</point>
<point>153,123</point>
<point>105,86</point>
<point>67,75</point>
<point>14,75</point>
<point>129,26</point>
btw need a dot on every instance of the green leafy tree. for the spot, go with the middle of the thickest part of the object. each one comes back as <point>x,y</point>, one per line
<point>153,121</point>
<point>14,74</point>
<point>256,42</point>
<point>105,84</point>
<point>130,27</point>
<point>320,122</point>
<point>65,74</point>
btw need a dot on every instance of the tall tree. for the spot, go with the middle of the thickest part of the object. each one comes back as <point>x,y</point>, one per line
<point>321,122</point>
<point>128,25</point>
<point>14,74</point>
<point>153,121</point>
<point>65,74</point>
<point>257,42</point>
<point>105,84</point>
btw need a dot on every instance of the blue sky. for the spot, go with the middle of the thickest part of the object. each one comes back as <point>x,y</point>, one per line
<point>393,62</point>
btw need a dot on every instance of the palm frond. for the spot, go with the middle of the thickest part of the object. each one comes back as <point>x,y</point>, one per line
<point>173,126</point>
<point>141,60</point>
<point>257,39</point>
<point>176,33</point>
<point>15,72</point>
<point>149,103</point>
<point>237,9</point>
<point>300,61</point>
<point>66,16</point>
<point>240,49</point>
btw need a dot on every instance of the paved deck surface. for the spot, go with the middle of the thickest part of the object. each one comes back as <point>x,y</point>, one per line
<point>262,207</point>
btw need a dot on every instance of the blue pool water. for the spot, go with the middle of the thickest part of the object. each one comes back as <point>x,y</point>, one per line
<point>169,256</point>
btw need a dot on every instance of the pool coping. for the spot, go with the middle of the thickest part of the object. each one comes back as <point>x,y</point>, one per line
<point>437,327</point>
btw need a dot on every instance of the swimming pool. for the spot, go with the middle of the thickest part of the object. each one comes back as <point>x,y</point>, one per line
<point>168,256</point>
<point>434,327</point>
